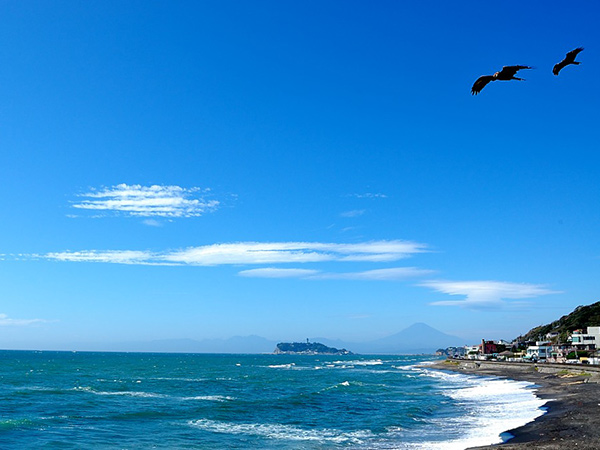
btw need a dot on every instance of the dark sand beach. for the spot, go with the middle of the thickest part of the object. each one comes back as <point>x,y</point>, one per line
<point>573,417</point>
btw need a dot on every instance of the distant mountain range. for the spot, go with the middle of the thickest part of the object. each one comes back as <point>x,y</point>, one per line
<point>416,339</point>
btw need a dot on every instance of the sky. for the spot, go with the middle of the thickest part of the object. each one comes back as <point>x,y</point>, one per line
<point>209,169</point>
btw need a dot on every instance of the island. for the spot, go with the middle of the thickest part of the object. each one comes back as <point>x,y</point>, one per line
<point>308,348</point>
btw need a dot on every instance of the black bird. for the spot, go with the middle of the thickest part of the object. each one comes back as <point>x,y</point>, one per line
<point>569,59</point>
<point>507,73</point>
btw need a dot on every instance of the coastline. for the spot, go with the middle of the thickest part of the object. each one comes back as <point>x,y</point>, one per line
<point>572,419</point>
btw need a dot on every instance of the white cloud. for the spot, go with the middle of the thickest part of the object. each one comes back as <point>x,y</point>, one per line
<point>109,256</point>
<point>485,294</point>
<point>148,201</point>
<point>253,253</point>
<point>6,321</point>
<point>390,274</point>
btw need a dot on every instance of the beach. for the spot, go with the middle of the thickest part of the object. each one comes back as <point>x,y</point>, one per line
<point>572,420</point>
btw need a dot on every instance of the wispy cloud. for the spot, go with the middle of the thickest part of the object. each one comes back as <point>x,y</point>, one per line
<point>148,201</point>
<point>390,274</point>
<point>353,213</point>
<point>485,294</point>
<point>109,256</point>
<point>152,223</point>
<point>252,253</point>
<point>6,321</point>
<point>369,195</point>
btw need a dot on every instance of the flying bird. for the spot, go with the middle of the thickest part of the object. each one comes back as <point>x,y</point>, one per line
<point>569,59</point>
<point>507,73</point>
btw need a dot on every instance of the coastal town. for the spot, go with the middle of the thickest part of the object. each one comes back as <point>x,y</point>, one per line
<point>572,339</point>
<point>577,347</point>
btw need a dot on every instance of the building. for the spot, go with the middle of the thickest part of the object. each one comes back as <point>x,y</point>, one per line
<point>586,340</point>
<point>488,347</point>
<point>472,351</point>
<point>541,351</point>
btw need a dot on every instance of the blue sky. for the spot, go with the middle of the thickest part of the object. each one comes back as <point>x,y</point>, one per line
<point>293,169</point>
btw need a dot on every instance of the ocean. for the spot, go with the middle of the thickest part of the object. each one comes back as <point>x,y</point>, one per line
<point>63,400</point>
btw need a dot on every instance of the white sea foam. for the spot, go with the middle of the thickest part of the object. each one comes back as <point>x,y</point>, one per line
<point>372,362</point>
<point>281,432</point>
<point>179,379</point>
<point>119,393</point>
<point>490,407</point>
<point>282,366</point>
<point>133,394</point>
<point>212,398</point>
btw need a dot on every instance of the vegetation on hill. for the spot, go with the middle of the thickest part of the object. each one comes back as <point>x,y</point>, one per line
<point>308,348</point>
<point>580,318</point>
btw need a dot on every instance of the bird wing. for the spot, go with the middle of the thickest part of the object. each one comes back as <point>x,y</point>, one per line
<point>558,67</point>
<point>569,59</point>
<point>480,83</point>
<point>573,53</point>
<point>510,71</point>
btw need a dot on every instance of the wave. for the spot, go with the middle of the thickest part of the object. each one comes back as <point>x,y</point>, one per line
<point>360,362</point>
<point>122,393</point>
<point>282,366</point>
<point>212,398</point>
<point>282,432</point>
<point>12,424</point>
<point>488,406</point>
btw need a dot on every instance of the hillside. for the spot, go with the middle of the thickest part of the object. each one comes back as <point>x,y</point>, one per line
<point>308,348</point>
<point>581,317</point>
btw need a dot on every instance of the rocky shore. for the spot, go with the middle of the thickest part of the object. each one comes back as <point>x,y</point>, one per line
<point>573,417</point>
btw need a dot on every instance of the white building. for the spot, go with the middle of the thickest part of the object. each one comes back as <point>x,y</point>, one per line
<point>539,352</point>
<point>472,351</point>
<point>591,336</point>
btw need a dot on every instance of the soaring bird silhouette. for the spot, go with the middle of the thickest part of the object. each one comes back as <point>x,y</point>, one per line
<point>569,59</point>
<point>507,73</point>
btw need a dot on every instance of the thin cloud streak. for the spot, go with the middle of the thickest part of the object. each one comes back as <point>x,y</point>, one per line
<point>148,201</point>
<point>6,321</point>
<point>109,256</point>
<point>369,195</point>
<point>252,253</point>
<point>390,274</point>
<point>485,294</point>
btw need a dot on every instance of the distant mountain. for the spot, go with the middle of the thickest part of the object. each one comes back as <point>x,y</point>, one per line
<point>581,317</point>
<point>416,339</point>
<point>236,344</point>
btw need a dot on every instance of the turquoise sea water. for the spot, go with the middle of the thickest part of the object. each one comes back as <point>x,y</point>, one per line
<point>60,400</point>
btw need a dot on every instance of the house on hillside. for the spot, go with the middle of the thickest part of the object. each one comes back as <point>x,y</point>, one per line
<point>541,351</point>
<point>588,340</point>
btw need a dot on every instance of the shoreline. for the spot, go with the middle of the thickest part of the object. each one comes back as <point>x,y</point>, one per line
<point>572,419</point>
